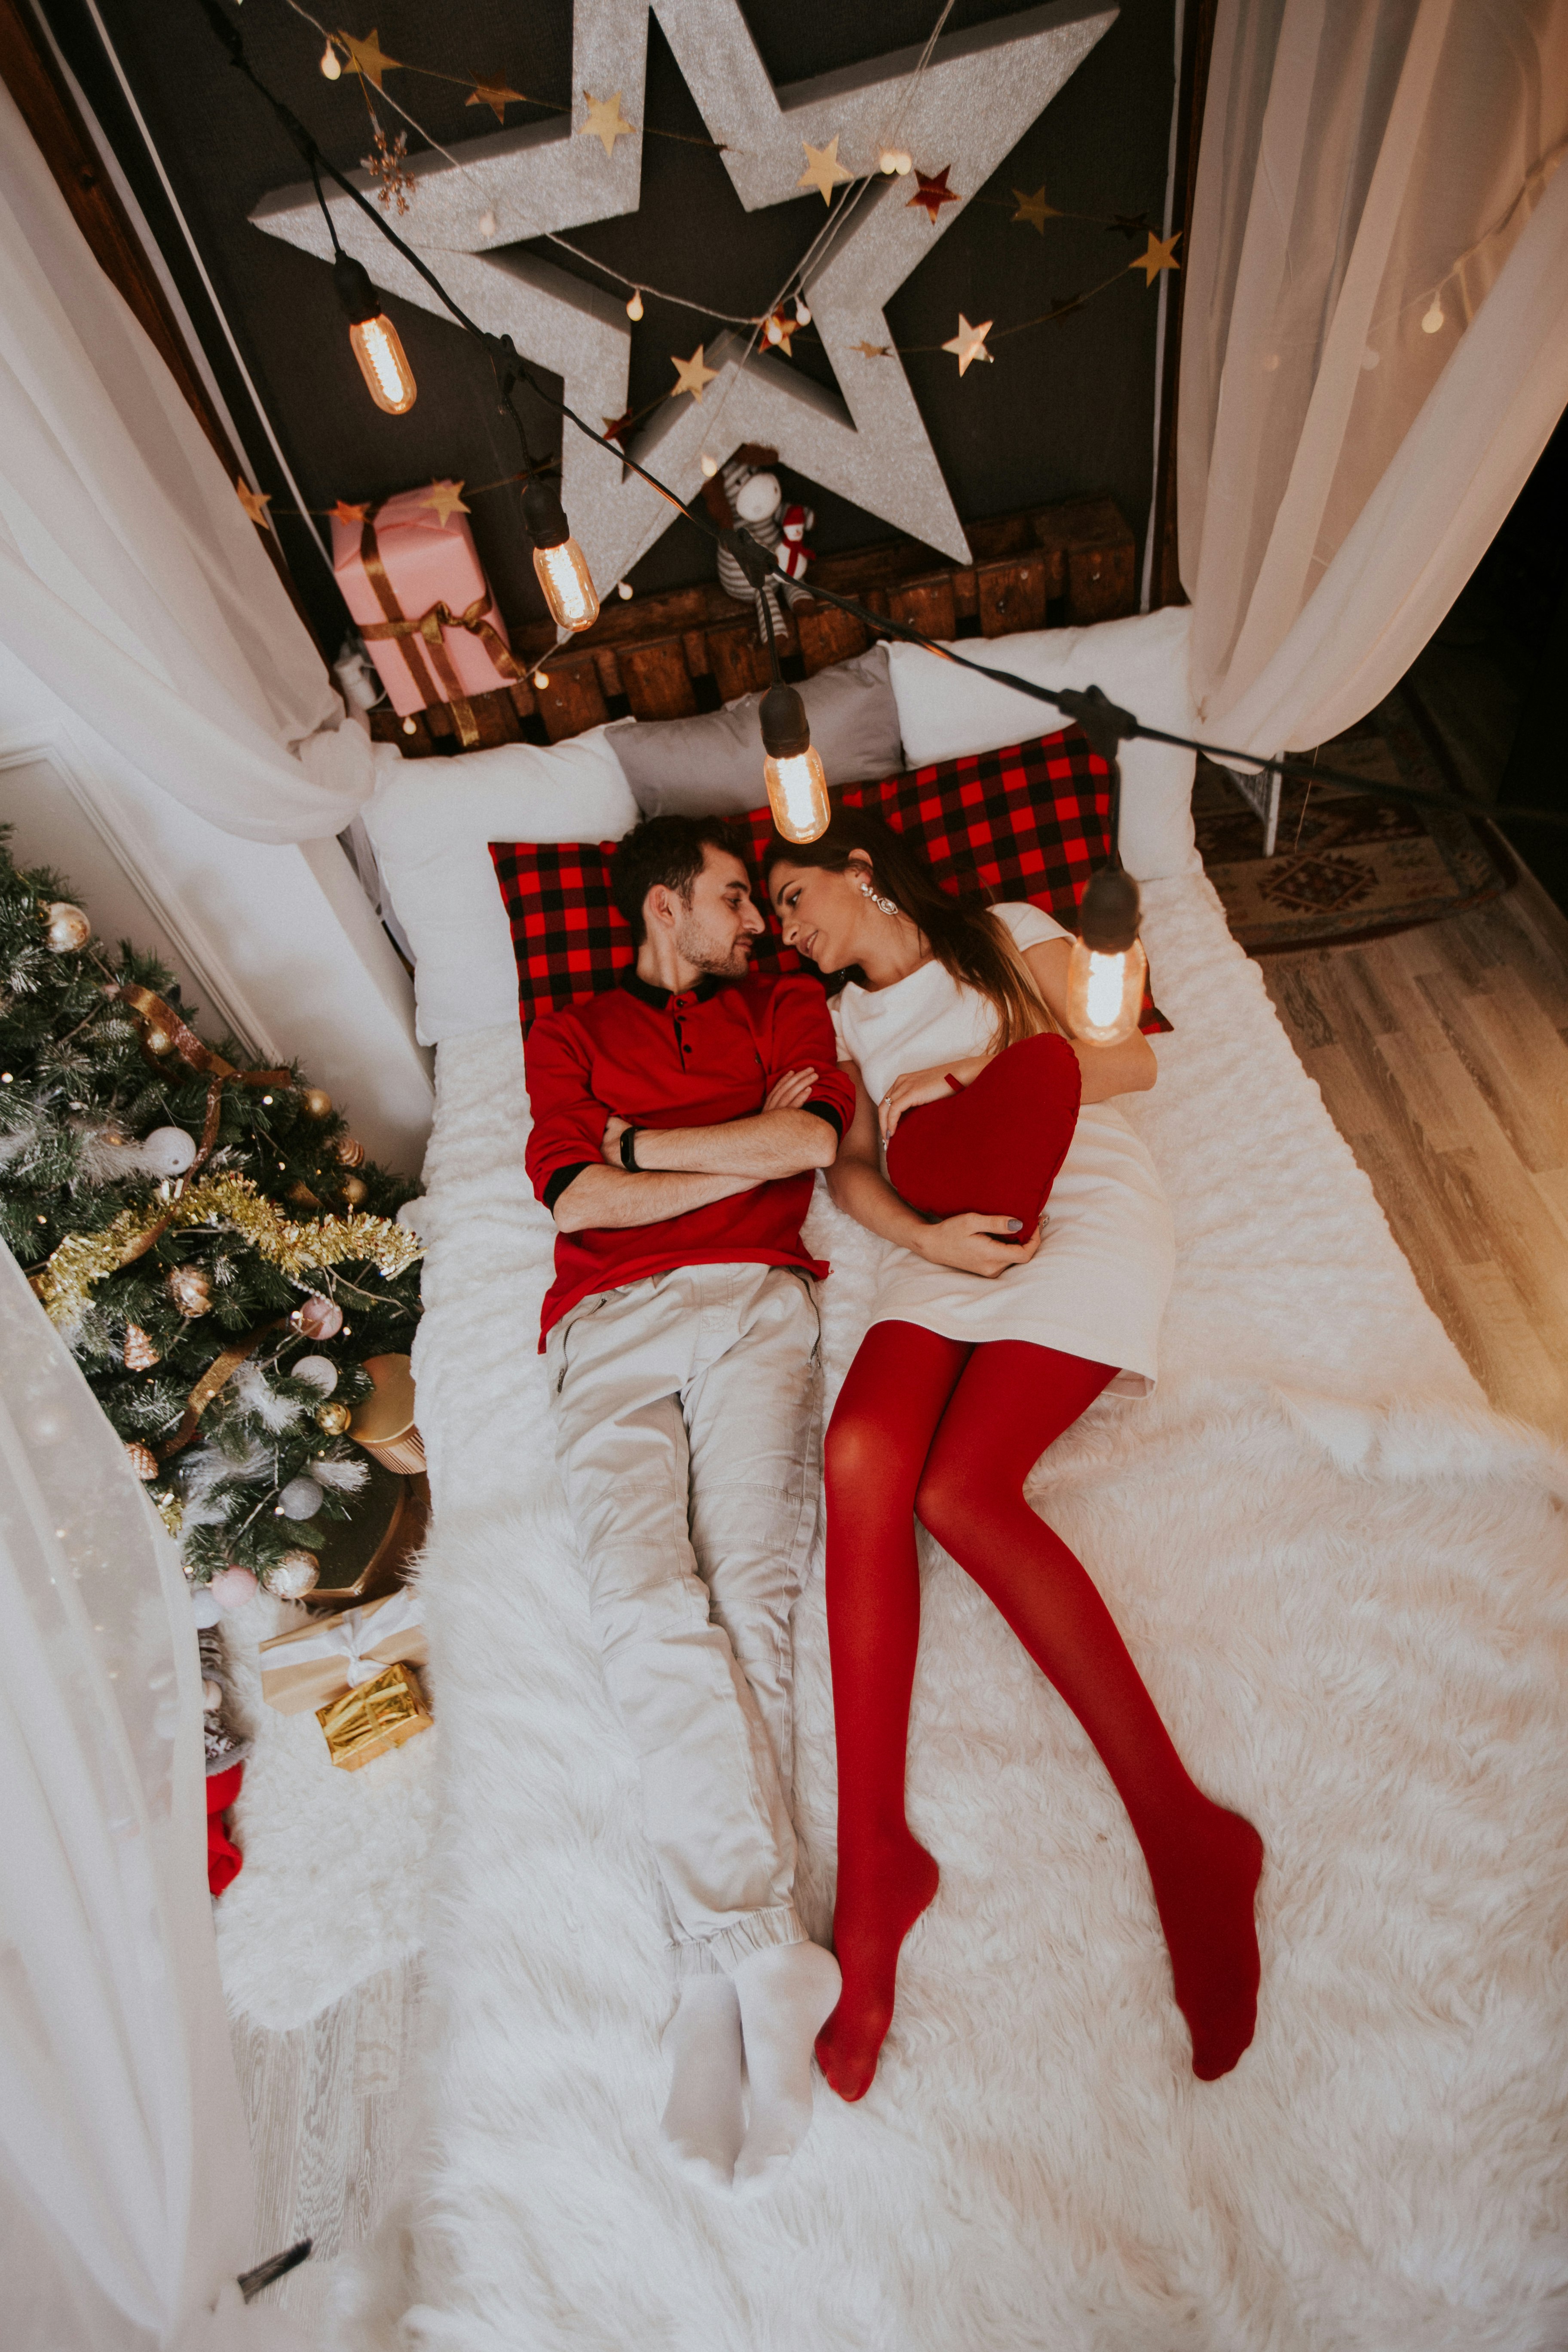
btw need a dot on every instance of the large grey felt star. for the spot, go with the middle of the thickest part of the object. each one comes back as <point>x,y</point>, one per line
<point>977,98</point>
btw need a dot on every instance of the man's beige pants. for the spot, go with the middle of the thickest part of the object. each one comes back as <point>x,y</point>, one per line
<point>688,1423</point>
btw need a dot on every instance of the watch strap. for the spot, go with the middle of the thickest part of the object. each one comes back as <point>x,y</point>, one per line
<point>628,1151</point>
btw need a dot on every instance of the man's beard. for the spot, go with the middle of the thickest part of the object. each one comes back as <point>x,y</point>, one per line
<point>700,947</point>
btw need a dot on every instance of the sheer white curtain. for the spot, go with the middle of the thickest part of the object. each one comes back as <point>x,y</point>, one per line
<point>125,2179</point>
<point>130,580</point>
<point>1374,343</point>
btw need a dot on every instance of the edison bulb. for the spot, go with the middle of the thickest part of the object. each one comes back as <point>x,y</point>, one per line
<point>568,585</point>
<point>1105,993</point>
<point>797,793</point>
<point>634,307</point>
<point>384,363</point>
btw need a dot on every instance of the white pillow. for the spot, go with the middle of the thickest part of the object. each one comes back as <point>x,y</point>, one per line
<point>1141,662</point>
<point>432,822</point>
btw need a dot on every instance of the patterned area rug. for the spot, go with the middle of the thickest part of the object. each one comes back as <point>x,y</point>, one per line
<point>1347,867</point>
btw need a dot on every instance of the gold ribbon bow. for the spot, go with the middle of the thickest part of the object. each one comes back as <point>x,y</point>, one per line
<point>423,639</point>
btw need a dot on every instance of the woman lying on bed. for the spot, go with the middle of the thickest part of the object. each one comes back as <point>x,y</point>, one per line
<point>982,1351</point>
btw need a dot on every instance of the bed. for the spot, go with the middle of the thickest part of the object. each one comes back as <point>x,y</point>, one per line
<point>1343,1578</point>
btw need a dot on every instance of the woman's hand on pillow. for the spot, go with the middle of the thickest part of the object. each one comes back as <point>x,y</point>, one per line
<point>916,1087</point>
<point>978,1244</point>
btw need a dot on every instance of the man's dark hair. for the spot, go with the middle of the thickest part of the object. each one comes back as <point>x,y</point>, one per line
<point>668,851</point>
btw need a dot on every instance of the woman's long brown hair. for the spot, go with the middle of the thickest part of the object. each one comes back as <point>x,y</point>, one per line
<point>969,945</point>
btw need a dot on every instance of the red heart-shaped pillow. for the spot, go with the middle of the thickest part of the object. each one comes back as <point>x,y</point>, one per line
<point>994,1148</point>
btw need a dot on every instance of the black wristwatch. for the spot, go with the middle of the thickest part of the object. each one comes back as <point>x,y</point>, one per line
<point>628,1151</point>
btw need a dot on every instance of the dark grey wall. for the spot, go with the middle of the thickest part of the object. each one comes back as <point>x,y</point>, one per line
<point>1064,409</point>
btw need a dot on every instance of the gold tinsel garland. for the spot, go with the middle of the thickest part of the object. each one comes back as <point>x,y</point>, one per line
<point>293,1248</point>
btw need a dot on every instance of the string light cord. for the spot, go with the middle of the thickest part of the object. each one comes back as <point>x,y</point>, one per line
<point>1085,706</point>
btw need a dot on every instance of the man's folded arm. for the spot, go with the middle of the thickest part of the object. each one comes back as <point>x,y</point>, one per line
<point>562,1156</point>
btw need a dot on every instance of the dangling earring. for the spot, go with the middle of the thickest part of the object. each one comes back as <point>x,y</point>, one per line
<point>883,905</point>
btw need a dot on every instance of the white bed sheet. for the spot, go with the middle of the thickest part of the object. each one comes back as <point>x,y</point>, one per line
<point>1342,1578</point>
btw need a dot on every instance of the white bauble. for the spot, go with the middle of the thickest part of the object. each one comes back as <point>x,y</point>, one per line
<point>204,1608</point>
<point>168,1151</point>
<point>319,1371</point>
<point>300,1499</point>
<point>290,1578</point>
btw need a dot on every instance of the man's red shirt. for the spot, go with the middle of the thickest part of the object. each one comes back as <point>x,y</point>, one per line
<point>696,1059</point>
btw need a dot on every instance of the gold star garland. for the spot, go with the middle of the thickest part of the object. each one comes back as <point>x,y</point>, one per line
<point>83,1259</point>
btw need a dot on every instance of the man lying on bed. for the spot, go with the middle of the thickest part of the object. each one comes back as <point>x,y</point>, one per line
<point>676,1122</point>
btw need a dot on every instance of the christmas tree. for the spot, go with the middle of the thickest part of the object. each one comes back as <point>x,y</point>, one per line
<point>215,1247</point>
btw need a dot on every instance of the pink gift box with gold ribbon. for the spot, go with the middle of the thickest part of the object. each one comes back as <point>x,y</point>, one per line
<point>412,578</point>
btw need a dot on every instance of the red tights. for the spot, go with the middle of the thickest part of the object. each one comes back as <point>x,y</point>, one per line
<point>928,1427</point>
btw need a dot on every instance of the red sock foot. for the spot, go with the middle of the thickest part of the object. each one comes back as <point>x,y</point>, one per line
<point>875,1910</point>
<point>1205,1896</point>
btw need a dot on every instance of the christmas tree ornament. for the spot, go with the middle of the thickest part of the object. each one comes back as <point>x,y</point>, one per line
<point>822,171</point>
<point>191,1291</point>
<point>604,121</point>
<point>300,1499</point>
<point>232,1587</point>
<point>972,101</point>
<point>317,1371</point>
<point>316,1103</point>
<point>158,1040</point>
<point>204,1608</point>
<point>65,927</point>
<point>290,1578</point>
<point>969,344</point>
<point>168,1151</point>
<point>140,1355</point>
<point>142,1460</point>
<point>317,1317</point>
<point>212,1695</point>
<point>333,1419</point>
<point>931,193</point>
<point>354,1190</point>
<point>301,1192</point>
<point>1035,209</point>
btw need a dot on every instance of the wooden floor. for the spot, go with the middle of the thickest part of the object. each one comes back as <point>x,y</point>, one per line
<point>1443,1057</point>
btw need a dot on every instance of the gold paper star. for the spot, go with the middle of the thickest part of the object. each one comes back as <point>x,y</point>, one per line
<point>255,502</point>
<point>446,497</point>
<point>1158,256</point>
<point>367,57</point>
<point>932,193</point>
<point>1035,209</point>
<point>873,351</point>
<point>343,512</point>
<point>605,121</point>
<point>692,374</point>
<point>969,343</point>
<point>495,95</point>
<point>823,169</point>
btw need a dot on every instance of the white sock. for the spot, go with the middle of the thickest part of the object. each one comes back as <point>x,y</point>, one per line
<point>702,2119</point>
<point>787,1993</point>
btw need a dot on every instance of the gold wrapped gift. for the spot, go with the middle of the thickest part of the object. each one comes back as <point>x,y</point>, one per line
<point>364,1723</point>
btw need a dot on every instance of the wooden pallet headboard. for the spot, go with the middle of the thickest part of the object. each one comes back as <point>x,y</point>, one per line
<point>690,649</point>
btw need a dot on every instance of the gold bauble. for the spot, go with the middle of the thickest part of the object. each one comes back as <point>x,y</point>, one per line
<point>141,1355</point>
<point>65,927</point>
<point>157,1041</point>
<point>354,1190</point>
<point>317,1102</point>
<point>349,1151</point>
<point>302,1193</point>
<point>142,1460</point>
<point>333,1418</point>
<point>190,1290</point>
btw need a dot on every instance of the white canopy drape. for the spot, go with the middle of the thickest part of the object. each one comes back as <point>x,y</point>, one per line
<point>131,580</point>
<point>125,2179</point>
<point>1374,345</point>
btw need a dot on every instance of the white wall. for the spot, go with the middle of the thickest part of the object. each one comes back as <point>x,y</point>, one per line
<point>279,945</point>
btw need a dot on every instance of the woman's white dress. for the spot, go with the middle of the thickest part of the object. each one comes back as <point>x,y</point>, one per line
<point>1098,1286</point>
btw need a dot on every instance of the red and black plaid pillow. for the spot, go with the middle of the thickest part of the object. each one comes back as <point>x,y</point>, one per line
<point>1029,822</point>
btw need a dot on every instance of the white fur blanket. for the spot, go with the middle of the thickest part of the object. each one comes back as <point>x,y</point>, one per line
<point>1343,1580</point>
